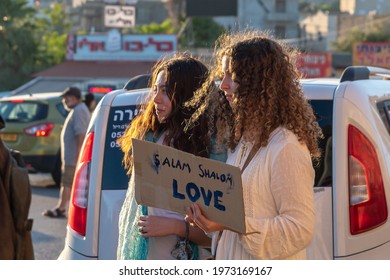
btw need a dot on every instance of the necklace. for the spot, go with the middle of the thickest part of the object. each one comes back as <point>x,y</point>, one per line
<point>242,155</point>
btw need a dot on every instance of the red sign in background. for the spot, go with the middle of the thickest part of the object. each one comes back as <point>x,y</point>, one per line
<point>315,65</point>
<point>371,54</point>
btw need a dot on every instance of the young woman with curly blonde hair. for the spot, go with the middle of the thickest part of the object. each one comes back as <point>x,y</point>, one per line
<point>270,113</point>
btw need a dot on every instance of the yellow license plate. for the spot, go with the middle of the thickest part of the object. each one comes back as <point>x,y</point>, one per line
<point>10,137</point>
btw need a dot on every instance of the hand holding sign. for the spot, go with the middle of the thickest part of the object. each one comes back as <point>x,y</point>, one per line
<point>174,180</point>
<point>195,216</point>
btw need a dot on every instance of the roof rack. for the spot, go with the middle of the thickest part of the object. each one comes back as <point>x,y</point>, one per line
<point>354,73</point>
<point>138,82</point>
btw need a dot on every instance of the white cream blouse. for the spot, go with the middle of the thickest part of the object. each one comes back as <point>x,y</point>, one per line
<point>278,199</point>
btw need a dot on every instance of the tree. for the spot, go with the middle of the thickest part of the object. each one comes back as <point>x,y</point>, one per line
<point>51,33</point>
<point>176,12</point>
<point>377,33</point>
<point>306,7</point>
<point>166,27</point>
<point>202,33</point>
<point>29,43</point>
<point>17,44</point>
<point>330,7</point>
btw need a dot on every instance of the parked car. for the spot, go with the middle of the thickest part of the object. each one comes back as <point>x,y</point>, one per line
<point>34,124</point>
<point>352,183</point>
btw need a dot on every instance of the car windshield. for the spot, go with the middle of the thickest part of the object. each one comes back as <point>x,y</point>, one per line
<point>20,111</point>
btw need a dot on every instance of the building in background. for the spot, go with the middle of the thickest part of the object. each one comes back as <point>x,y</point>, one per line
<point>90,16</point>
<point>313,32</point>
<point>321,29</point>
<point>103,57</point>
<point>360,7</point>
<point>278,16</point>
<point>318,31</point>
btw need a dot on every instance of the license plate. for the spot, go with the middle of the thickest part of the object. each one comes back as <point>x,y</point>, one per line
<point>10,137</point>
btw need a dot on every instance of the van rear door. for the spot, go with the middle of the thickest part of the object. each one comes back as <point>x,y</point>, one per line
<point>360,172</point>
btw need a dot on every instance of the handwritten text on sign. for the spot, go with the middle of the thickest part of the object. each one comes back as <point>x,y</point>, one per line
<point>171,179</point>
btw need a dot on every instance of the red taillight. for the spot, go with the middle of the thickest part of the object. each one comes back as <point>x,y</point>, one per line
<point>77,218</point>
<point>367,200</point>
<point>39,130</point>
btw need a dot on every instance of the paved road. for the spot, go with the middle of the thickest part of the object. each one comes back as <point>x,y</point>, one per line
<point>48,234</point>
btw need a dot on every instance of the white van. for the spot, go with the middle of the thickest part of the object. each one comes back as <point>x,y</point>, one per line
<point>352,184</point>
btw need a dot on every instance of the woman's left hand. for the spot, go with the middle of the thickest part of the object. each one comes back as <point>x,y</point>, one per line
<point>195,216</point>
<point>157,226</point>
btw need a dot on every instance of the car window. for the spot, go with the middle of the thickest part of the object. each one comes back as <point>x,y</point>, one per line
<point>21,111</point>
<point>323,110</point>
<point>61,109</point>
<point>114,175</point>
<point>384,112</point>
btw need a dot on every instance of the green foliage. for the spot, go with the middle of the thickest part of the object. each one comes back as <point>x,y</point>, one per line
<point>330,7</point>
<point>27,43</point>
<point>307,7</point>
<point>346,44</point>
<point>205,32</point>
<point>51,32</point>
<point>17,45</point>
<point>381,35</point>
<point>378,33</point>
<point>166,27</point>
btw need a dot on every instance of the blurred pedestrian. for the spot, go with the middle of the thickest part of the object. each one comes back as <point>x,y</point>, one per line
<point>90,101</point>
<point>72,137</point>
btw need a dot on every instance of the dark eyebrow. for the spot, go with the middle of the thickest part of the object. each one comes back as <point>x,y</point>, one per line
<point>160,86</point>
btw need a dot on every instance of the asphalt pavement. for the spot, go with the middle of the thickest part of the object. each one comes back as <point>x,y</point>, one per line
<point>48,234</point>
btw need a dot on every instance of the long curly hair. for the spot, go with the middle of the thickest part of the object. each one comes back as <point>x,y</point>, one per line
<point>269,90</point>
<point>184,75</point>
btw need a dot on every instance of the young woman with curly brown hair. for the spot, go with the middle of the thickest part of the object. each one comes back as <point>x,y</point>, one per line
<point>259,78</point>
<point>148,232</point>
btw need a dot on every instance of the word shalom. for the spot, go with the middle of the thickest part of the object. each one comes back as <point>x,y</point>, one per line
<point>184,166</point>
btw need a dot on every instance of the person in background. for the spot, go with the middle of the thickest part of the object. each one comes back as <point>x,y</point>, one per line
<point>72,137</point>
<point>258,76</point>
<point>90,101</point>
<point>148,232</point>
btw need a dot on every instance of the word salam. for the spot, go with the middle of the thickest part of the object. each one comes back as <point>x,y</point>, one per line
<point>203,172</point>
<point>177,164</point>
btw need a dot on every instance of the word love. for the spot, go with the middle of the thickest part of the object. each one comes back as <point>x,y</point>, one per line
<point>195,193</point>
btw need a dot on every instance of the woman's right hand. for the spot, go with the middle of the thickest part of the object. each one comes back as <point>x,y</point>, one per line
<point>195,216</point>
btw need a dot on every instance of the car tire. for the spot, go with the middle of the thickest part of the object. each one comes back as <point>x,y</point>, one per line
<point>56,173</point>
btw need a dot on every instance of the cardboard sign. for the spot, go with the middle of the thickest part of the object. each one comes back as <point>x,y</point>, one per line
<point>171,179</point>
